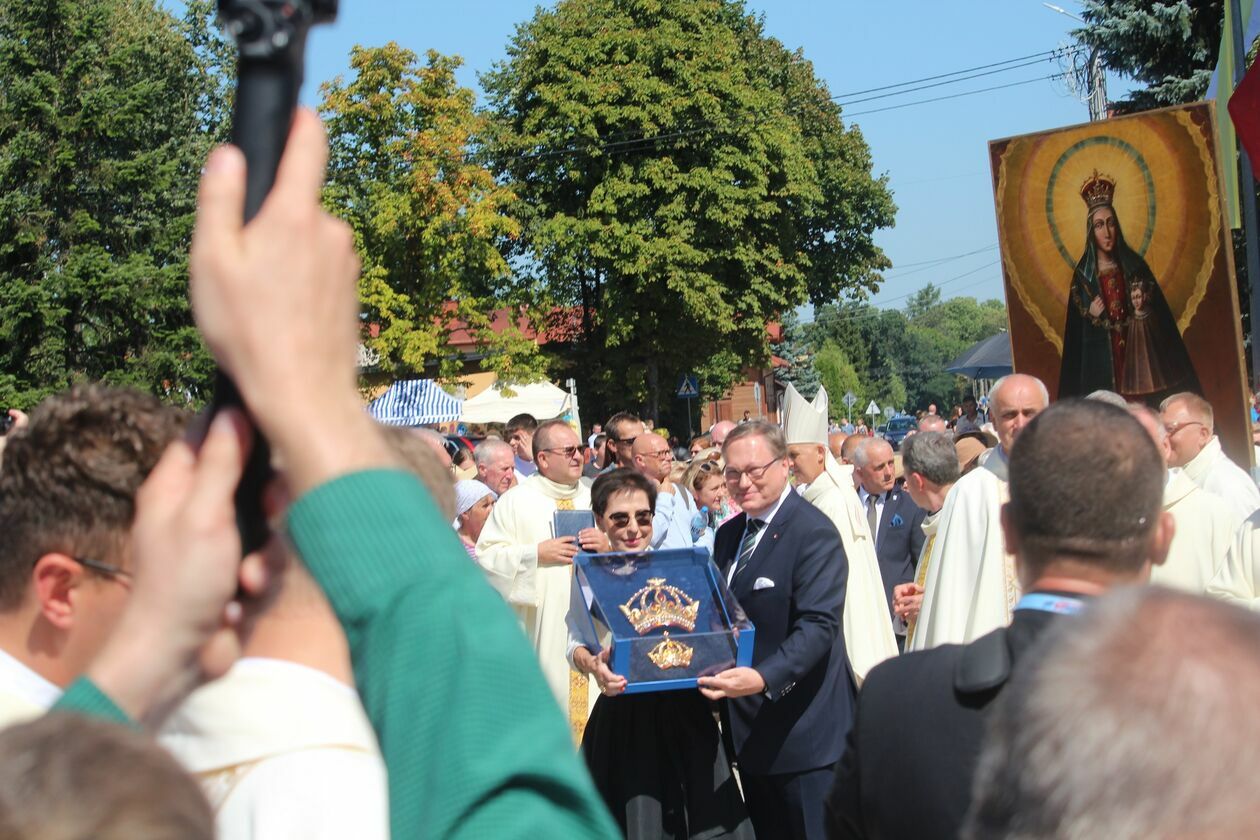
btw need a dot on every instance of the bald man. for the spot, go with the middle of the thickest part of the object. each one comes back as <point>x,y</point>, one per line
<point>835,442</point>
<point>970,585</point>
<point>1188,419</point>
<point>1205,528</point>
<point>932,423</point>
<point>720,430</point>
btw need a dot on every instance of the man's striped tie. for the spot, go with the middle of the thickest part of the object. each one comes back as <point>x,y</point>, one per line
<point>748,545</point>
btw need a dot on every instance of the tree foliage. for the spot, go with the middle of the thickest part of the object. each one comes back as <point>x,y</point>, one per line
<point>105,120</point>
<point>837,374</point>
<point>427,218</point>
<point>900,356</point>
<point>1167,46</point>
<point>687,181</point>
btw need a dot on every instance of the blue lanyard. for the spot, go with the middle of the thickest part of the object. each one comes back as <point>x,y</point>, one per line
<point>1060,604</point>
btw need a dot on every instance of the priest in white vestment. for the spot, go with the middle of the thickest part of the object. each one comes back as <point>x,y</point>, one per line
<point>531,568</point>
<point>932,466</point>
<point>1189,421</point>
<point>1204,528</point>
<point>1236,580</point>
<point>969,582</point>
<point>828,486</point>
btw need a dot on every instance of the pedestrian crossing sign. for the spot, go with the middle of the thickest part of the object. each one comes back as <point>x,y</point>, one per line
<point>688,388</point>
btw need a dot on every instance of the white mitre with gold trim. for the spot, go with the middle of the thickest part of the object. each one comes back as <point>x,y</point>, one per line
<point>804,421</point>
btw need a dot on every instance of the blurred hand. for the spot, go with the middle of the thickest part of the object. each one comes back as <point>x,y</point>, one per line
<point>594,541</point>
<point>277,304</point>
<point>907,601</point>
<point>180,624</point>
<point>559,551</point>
<point>733,682</point>
<point>1096,307</point>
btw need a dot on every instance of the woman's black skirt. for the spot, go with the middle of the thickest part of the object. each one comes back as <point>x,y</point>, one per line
<point>658,761</point>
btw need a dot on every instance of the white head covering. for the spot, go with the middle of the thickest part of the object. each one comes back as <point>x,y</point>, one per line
<point>803,421</point>
<point>467,494</point>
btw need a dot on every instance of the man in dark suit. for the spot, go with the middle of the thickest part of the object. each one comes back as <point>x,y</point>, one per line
<point>896,521</point>
<point>1085,513</point>
<point>788,713</point>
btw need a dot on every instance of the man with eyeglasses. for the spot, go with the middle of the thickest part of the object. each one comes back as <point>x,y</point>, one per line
<point>624,429</point>
<point>67,498</point>
<point>788,713</point>
<point>1189,422</point>
<point>531,567</point>
<point>671,525</point>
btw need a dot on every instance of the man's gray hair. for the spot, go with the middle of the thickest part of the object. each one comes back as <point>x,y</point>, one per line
<point>1109,397</point>
<point>753,428</point>
<point>931,455</point>
<point>862,455</point>
<point>488,449</point>
<point>1137,721</point>
<point>997,386</point>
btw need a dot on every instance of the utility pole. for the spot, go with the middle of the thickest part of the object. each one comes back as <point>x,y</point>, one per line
<point>1097,97</point>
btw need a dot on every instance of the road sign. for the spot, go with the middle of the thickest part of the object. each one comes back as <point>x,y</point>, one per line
<point>890,412</point>
<point>849,398</point>
<point>688,388</point>
<point>872,409</point>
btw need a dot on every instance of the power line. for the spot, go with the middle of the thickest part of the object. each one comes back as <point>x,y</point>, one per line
<point>872,309</point>
<point>936,262</point>
<point>1046,54</point>
<point>955,95</point>
<point>942,84</point>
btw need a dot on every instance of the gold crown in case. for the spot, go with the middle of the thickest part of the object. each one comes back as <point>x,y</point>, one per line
<point>670,654</point>
<point>660,605</point>
<point>1098,190</point>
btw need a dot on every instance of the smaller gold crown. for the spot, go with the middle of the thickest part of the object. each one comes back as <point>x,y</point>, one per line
<point>659,605</point>
<point>670,654</point>
<point>1098,190</point>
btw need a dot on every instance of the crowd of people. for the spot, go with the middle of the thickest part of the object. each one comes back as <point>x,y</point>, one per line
<point>409,654</point>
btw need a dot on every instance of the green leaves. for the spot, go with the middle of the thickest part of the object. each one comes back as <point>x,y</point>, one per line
<point>428,219</point>
<point>687,180</point>
<point>101,141</point>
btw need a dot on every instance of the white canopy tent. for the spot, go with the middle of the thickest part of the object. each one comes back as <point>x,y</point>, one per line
<point>541,399</point>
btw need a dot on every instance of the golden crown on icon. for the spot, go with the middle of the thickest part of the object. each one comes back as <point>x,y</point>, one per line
<point>670,654</point>
<point>660,605</point>
<point>1098,190</point>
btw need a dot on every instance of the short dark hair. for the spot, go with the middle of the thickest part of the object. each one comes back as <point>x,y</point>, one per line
<point>70,477</point>
<point>542,434</point>
<point>618,420</point>
<point>521,422</point>
<point>600,439</point>
<point>616,481</point>
<point>931,455</point>
<point>1086,482</point>
<point>969,398</point>
<point>65,776</point>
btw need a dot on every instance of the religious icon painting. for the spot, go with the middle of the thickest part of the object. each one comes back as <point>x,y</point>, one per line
<point>1118,265</point>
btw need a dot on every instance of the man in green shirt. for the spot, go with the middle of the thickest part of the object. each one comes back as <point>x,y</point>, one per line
<point>474,744</point>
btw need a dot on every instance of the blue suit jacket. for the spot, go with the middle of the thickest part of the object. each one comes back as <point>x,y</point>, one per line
<point>800,722</point>
<point>899,541</point>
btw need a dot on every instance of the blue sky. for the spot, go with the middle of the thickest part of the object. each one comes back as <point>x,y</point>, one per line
<point>935,154</point>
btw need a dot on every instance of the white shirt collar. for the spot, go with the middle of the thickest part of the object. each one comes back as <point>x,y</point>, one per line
<point>20,680</point>
<point>765,520</point>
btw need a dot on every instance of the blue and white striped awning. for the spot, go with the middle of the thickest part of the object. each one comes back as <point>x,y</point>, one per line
<point>415,402</point>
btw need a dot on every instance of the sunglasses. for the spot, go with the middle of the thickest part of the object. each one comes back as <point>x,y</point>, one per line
<point>621,519</point>
<point>567,451</point>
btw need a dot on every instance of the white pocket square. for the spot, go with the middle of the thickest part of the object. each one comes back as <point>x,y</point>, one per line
<point>763,583</point>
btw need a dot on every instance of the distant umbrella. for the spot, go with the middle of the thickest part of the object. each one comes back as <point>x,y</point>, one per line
<point>988,359</point>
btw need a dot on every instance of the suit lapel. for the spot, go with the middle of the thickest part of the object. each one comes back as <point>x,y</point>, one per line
<point>768,542</point>
<point>885,521</point>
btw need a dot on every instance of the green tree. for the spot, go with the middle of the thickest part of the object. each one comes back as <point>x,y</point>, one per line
<point>427,218</point>
<point>678,198</point>
<point>104,124</point>
<point>797,352</point>
<point>1168,47</point>
<point>837,375</point>
<point>892,392</point>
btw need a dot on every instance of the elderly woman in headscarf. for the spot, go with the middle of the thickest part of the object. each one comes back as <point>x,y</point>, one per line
<point>473,501</point>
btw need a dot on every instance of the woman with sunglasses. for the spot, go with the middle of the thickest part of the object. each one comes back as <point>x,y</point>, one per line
<point>656,758</point>
<point>703,480</point>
